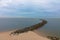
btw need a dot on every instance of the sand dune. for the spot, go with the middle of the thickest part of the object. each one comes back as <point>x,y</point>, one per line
<point>24,36</point>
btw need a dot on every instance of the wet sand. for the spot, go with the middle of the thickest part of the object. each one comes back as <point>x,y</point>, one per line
<point>24,36</point>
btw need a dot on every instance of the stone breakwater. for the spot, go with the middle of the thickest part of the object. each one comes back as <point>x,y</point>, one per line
<point>31,28</point>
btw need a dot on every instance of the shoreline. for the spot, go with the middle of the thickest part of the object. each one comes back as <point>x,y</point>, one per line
<point>24,36</point>
<point>26,33</point>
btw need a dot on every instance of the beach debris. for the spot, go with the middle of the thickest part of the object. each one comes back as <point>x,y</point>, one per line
<point>53,38</point>
<point>31,28</point>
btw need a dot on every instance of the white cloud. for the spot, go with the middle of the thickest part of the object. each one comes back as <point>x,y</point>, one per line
<point>5,2</point>
<point>42,3</point>
<point>48,4</point>
<point>29,7</point>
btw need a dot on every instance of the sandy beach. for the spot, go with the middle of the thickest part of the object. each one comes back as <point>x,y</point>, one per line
<point>24,36</point>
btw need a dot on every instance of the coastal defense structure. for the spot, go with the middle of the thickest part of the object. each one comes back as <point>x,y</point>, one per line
<point>31,28</point>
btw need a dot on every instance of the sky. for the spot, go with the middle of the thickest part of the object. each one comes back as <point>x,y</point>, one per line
<point>30,8</point>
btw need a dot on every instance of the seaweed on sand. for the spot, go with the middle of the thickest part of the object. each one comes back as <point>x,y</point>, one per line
<point>31,28</point>
<point>53,38</point>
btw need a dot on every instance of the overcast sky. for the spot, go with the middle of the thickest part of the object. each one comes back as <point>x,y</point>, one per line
<point>30,8</point>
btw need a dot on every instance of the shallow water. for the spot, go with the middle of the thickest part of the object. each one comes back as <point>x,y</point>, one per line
<point>52,28</point>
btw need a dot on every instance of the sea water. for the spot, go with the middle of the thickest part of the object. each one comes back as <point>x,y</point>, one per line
<point>7,24</point>
<point>51,28</point>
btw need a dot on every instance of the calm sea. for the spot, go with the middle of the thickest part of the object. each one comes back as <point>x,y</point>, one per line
<point>7,24</point>
<point>51,28</point>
